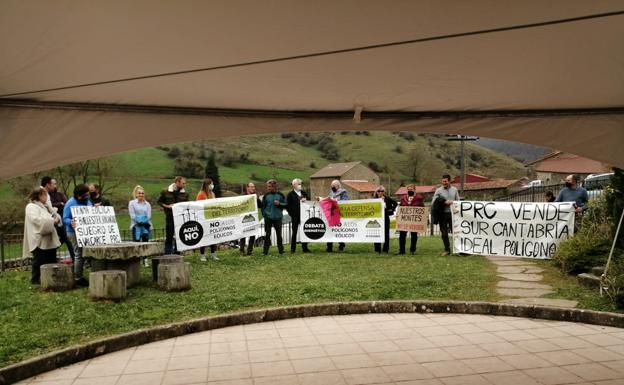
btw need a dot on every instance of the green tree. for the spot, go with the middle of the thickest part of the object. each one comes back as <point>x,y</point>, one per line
<point>212,172</point>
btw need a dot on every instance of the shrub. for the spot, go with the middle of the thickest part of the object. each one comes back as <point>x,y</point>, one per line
<point>12,215</point>
<point>590,245</point>
<point>174,152</point>
<point>407,136</point>
<point>312,164</point>
<point>374,166</point>
<point>189,167</point>
<point>398,149</point>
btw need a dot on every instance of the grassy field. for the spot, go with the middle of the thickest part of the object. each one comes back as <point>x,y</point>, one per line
<point>33,322</point>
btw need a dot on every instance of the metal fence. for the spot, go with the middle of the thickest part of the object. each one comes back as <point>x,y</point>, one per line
<point>531,194</point>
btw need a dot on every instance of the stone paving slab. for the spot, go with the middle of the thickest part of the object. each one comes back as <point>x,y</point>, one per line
<point>519,292</point>
<point>522,285</point>
<point>408,348</point>
<point>522,277</point>
<point>543,302</point>
<point>513,263</point>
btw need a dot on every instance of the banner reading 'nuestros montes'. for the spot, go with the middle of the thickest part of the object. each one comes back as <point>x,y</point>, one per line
<point>208,222</point>
<point>360,221</point>
<point>512,229</point>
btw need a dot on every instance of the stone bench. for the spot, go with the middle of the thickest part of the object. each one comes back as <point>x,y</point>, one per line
<point>108,285</point>
<point>164,259</point>
<point>174,276</point>
<point>57,277</point>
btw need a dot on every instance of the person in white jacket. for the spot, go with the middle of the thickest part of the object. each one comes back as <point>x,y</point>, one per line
<point>40,237</point>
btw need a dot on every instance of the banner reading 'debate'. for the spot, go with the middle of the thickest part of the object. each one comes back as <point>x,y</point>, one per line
<point>95,225</point>
<point>512,229</point>
<point>212,221</point>
<point>360,221</point>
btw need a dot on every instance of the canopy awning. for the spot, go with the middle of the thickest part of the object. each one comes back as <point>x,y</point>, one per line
<point>80,80</point>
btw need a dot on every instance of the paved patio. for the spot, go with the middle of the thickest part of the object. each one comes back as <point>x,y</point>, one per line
<point>414,349</point>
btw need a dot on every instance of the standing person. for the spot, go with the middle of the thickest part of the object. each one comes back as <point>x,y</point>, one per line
<point>40,236</point>
<point>448,194</point>
<point>338,194</point>
<point>572,192</point>
<point>250,189</point>
<point>549,196</point>
<point>80,198</point>
<point>412,199</point>
<point>294,199</point>
<point>206,192</point>
<point>140,212</point>
<point>273,203</point>
<point>58,200</point>
<point>390,206</point>
<point>168,197</point>
<point>95,194</point>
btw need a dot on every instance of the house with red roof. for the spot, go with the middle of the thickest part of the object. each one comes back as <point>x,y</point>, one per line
<point>554,167</point>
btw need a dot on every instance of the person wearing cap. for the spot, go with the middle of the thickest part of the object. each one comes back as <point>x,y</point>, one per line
<point>390,206</point>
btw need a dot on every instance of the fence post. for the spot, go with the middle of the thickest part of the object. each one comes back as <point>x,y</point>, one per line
<point>2,252</point>
<point>532,193</point>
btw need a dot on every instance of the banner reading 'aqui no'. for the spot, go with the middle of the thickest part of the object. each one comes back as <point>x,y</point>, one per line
<point>208,222</point>
<point>360,221</point>
<point>513,229</point>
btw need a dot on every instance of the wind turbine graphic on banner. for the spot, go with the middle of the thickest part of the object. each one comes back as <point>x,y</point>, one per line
<point>188,215</point>
<point>314,211</point>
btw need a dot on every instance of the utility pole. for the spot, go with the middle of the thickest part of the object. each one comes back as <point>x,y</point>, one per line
<point>461,139</point>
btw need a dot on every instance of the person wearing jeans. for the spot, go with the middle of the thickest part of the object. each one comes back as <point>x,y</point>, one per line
<point>80,198</point>
<point>294,199</point>
<point>449,194</point>
<point>273,203</point>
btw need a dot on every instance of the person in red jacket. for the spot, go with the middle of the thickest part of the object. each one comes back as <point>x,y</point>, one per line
<point>411,199</point>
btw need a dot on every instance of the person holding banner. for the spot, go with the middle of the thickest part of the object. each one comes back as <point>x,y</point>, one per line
<point>294,199</point>
<point>449,194</point>
<point>95,194</point>
<point>337,193</point>
<point>206,192</point>
<point>389,210</point>
<point>40,237</point>
<point>273,204</point>
<point>250,189</point>
<point>415,200</point>
<point>175,193</point>
<point>80,198</point>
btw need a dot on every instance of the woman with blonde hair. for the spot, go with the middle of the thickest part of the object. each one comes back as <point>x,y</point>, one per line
<point>206,192</point>
<point>40,237</point>
<point>140,212</point>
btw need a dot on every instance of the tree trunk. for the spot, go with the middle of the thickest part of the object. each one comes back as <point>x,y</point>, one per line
<point>108,284</point>
<point>57,277</point>
<point>174,276</point>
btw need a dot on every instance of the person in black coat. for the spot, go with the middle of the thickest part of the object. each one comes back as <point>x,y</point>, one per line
<point>390,207</point>
<point>293,200</point>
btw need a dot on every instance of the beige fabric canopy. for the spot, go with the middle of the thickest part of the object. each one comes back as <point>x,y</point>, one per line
<point>84,79</point>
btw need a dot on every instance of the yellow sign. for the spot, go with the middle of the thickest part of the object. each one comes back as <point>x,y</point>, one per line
<point>360,210</point>
<point>238,206</point>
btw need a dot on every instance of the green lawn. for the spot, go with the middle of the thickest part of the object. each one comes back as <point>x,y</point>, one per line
<point>33,322</point>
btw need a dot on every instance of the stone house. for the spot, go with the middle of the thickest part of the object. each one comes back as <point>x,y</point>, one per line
<point>554,167</point>
<point>359,180</point>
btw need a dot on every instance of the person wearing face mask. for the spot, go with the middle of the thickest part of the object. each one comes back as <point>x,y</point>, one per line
<point>339,194</point>
<point>448,194</point>
<point>412,199</point>
<point>173,194</point>
<point>80,198</point>
<point>96,197</point>
<point>390,205</point>
<point>572,192</point>
<point>294,199</point>
<point>250,188</point>
<point>273,204</point>
<point>207,192</point>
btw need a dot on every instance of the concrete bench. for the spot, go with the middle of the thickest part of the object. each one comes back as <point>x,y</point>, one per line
<point>108,284</point>
<point>57,277</point>
<point>164,259</point>
<point>174,276</point>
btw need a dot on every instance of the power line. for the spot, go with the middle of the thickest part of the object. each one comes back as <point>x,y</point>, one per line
<point>327,53</point>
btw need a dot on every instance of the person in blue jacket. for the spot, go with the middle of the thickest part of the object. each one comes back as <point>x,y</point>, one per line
<point>80,198</point>
<point>273,204</point>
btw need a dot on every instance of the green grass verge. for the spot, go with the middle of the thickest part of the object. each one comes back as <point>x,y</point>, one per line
<point>33,322</point>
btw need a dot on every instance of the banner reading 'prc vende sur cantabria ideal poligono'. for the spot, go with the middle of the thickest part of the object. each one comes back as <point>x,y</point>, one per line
<point>208,222</point>
<point>512,229</point>
<point>360,221</point>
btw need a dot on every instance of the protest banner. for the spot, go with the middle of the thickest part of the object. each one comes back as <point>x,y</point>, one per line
<point>208,222</point>
<point>512,229</point>
<point>360,221</point>
<point>411,218</point>
<point>95,225</point>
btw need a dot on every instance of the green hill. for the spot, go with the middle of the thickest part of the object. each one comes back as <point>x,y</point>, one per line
<point>396,157</point>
